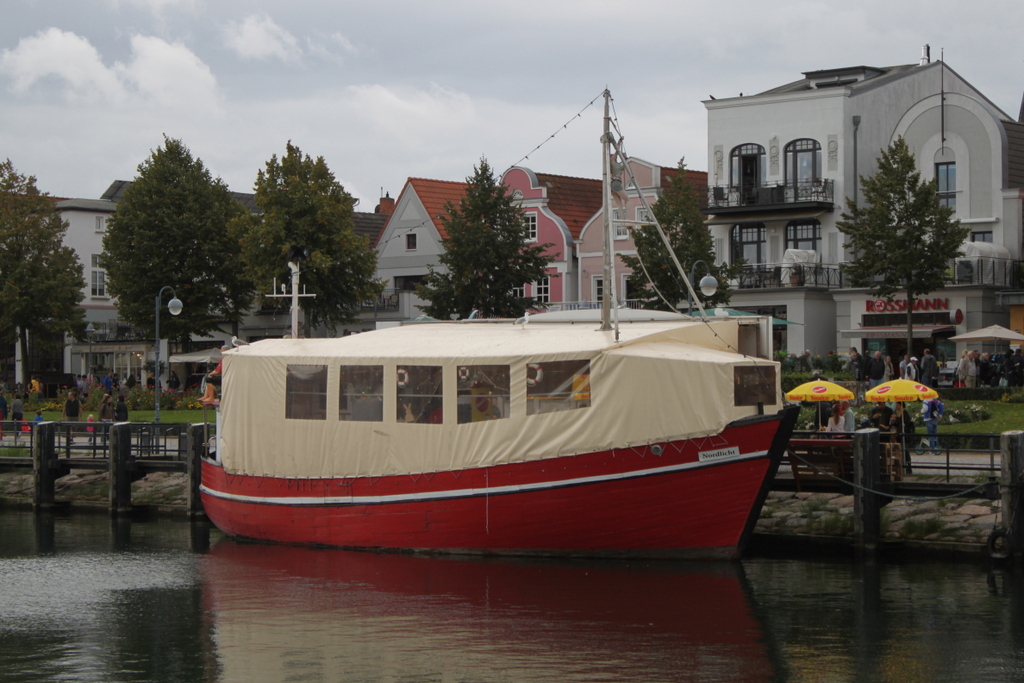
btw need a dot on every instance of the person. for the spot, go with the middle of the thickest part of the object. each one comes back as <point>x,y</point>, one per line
<point>38,417</point>
<point>107,409</point>
<point>804,362</point>
<point>875,370</point>
<point>835,421</point>
<point>72,410</point>
<point>120,410</point>
<point>903,424</point>
<point>985,371</point>
<point>36,388</point>
<point>889,371</point>
<point>849,419</point>
<point>173,383</point>
<point>932,412</point>
<point>967,370</point>
<point>855,367</point>
<point>91,429</point>
<point>213,379</point>
<point>929,369</point>
<point>3,411</point>
<point>1018,368</point>
<point>108,381</point>
<point>903,366</point>
<point>150,381</point>
<point>18,413</point>
<point>131,381</point>
<point>881,419</point>
<point>912,370</point>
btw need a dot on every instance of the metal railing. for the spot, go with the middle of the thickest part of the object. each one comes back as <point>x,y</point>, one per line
<point>777,275</point>
<point>771,194</point>
<point>387,301</point>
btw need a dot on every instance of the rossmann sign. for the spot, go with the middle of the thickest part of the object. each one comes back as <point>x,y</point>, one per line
<point>900,305</point>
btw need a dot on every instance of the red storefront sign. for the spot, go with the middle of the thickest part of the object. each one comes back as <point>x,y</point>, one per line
<point>900,305</point>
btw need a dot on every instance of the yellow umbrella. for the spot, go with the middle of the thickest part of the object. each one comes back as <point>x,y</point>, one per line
<point>900,390</point>
<point>819,390</point>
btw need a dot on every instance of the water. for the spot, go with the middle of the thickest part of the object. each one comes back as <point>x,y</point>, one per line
<point>83,598</point>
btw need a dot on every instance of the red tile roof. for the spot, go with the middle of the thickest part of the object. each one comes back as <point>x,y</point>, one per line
<point>435,195</point>
<point>574,200</point>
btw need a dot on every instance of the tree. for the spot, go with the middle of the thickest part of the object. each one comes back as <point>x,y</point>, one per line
<point>903,237</point>
<point>304,206</point>
<point>171,229</point>
<point>678,212</point>
<point>486,254</point>
<point>40,279</point>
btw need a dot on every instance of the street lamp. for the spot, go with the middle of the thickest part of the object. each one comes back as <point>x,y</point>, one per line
<point>174,306</point>
<point>708,284</point>
<point>89,332</point>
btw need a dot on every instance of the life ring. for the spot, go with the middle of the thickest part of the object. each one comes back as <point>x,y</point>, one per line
<point>463,373</point>
<point>999,544</point>
<point>403,378</point>
<point>538,374</point>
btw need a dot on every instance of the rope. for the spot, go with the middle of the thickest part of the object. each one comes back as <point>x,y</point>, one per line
<point>919,499</point>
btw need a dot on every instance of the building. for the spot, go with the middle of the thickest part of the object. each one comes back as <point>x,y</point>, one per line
<point>782,162</point>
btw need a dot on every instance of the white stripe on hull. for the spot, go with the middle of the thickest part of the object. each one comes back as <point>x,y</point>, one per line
<point>468,493</point>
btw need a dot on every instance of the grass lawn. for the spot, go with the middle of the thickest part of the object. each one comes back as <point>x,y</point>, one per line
<point>166,416</point>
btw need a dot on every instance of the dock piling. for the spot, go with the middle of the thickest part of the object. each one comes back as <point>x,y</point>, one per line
<point>1011,482</point>
<point>44,464</point>
<point>121,465</point>
<point>867,504</point>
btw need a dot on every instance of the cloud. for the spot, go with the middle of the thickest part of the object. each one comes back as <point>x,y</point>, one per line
<point>168,74</point>
<point>259,37</point>
<point>65,56</point>
<point>158,72</point>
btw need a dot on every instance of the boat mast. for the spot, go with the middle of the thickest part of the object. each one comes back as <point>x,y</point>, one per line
<point>606,191</point>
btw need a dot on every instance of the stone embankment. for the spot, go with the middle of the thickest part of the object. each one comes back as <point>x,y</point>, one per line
<point>954,521</point>
<point>88,488</point>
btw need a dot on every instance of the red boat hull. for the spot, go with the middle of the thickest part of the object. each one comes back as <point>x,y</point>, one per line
<point>694,498</point>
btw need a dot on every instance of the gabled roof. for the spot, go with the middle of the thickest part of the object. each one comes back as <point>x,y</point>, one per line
<point>369,225</point>
<point>574,200</point>
<point>435,195</point>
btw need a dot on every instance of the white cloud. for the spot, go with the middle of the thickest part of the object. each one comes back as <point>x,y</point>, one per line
<point>259,37</point>
<point>168,74</point>
<point>158,73</point>
<point>65,56</point>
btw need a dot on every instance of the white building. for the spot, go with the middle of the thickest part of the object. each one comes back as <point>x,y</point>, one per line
<point>783,162</point>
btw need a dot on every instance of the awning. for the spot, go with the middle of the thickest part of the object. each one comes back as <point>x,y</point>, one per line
<point>204,356</point>
<point>920,332</point>
<point>763,216</point>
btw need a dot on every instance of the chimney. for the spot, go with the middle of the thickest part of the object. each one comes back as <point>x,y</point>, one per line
<point>926,54</point>
<point>386,206</point>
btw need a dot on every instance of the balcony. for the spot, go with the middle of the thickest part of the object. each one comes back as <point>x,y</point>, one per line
<point>962,272</point>
<point>788,275</point>
<point>811,194</point>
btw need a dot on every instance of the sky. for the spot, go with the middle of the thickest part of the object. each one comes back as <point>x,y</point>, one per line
<point>390,89</point>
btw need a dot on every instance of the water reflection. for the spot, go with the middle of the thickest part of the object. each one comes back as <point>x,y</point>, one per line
<point>337,615</point>
<point>85,598</point>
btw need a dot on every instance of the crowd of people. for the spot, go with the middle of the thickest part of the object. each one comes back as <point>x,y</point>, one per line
<point>974,369</point>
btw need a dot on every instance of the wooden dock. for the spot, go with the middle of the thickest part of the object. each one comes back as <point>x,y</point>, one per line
<point>127,450</point>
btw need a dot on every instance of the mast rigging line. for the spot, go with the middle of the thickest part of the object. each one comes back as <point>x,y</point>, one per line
<point>550,137</point>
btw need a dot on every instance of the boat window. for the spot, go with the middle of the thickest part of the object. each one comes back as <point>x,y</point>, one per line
<point>483,392</point>
<point>419,394</point>
<point>362,393</point>
<point>305,392</point>
<point>754,385</point>
<point>557,385</point>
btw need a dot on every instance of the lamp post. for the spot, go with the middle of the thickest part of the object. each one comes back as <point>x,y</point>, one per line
<point>708,284</point>
<point>89,332</point>
<point>174,306</point>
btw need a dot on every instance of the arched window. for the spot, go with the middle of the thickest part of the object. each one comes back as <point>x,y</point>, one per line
<point>747,164</point>
<point>747,242</point>
<point>803,234</point>
<point>803,167</point>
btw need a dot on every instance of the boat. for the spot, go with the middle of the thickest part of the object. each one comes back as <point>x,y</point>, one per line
<point>595,433</point>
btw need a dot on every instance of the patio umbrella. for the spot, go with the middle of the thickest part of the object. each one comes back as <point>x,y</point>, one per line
<point>990,333</point>
<point>900,390</point>
<point>819,390</point>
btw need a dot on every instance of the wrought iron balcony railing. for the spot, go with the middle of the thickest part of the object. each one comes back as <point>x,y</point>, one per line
<point>724,196</point>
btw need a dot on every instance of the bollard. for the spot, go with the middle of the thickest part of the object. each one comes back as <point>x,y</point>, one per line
<point>196,449</point>
<point>867,518</point>
<point>44,465</point>
<point>121,464</point>
<point>1009,540</point>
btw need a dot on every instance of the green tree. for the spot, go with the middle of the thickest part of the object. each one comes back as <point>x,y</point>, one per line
<point>678,212</point>
<point>171,229</point>
<point>902,238</point>
<point>304,206</point>
<point>40,279</point>
<point>485,253</point>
